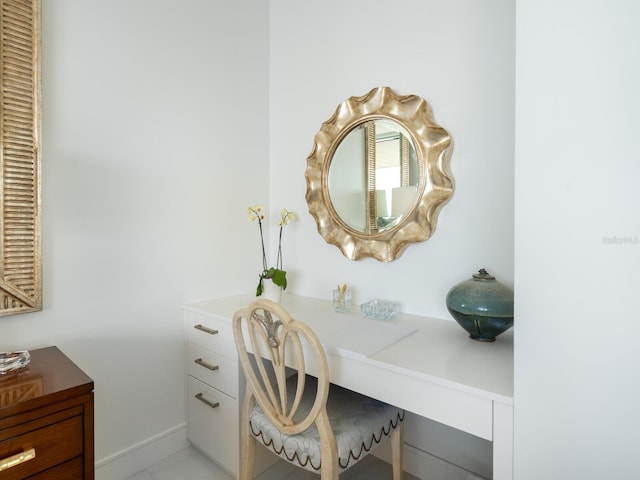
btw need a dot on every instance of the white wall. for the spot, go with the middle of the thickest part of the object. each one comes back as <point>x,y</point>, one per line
<point>459,56</point>
<point>155,141</point>
<point>156,138</point>
<point>577,240</point>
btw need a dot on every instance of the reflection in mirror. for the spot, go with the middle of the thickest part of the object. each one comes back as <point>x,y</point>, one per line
<point>348,179</point>
<point>396,172</point>
<point>373,175</point>
<point>378,174</point>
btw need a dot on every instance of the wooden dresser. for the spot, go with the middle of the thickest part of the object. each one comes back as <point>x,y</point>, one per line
<point>46,420</point>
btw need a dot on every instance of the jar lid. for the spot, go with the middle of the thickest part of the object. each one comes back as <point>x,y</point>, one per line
<point>483,275</point>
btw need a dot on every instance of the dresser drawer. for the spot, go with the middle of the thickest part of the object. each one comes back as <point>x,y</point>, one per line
<point>71,470</point>
<point>51,445</point>
<point>213,369</point>
<point>211,333</point>
<point>214,430</point>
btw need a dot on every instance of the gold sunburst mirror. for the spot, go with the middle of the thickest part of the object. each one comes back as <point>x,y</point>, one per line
<point>378,174</point>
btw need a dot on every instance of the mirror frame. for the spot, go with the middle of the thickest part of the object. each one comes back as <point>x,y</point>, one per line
<point>433,146</point>
<point>20,244</point>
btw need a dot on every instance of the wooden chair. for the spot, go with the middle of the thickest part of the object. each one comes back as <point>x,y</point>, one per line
<point>304,419</point>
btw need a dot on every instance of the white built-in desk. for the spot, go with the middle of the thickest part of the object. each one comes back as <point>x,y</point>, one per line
<point>427,366</point>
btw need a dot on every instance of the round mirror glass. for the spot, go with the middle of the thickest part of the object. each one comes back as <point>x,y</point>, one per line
<point>375,156</point>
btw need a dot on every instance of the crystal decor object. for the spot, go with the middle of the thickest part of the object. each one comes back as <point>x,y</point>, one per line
<point>10,361</point>
<point>379,309</point>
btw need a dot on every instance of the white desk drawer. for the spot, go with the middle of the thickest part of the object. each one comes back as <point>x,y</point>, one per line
<point>211,333</point>
<point>213,369</point>
<point>213,424</point>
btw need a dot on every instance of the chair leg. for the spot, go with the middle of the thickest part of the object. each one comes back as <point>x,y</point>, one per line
<point>247,452</point>
<point>397,447</point>
<point>328,449</point>
<point>247,441</point>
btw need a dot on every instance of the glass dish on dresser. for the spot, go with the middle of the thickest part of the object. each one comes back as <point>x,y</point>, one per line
<point>10,361</point>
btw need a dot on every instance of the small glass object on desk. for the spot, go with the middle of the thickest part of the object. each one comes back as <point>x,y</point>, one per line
<point>341,299</point>
<point>379,309</point>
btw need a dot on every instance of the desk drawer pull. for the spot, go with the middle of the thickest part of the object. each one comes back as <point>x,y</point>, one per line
<point>17,459</point>
<point>201,362</point>
<point>208,330</point>
<point>200,396</point>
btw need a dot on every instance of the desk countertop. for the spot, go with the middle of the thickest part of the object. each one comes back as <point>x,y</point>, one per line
<point>437,350</point>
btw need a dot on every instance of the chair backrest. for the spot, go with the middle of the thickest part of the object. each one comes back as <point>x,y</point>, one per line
<point>278,344</point>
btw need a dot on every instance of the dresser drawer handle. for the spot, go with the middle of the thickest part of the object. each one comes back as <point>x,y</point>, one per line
<point>17,459</point>
<point>208,330</point>
<point>199,361</point>
<point>200,396</point>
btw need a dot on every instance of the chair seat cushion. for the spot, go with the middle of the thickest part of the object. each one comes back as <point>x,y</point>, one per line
<point>358,423</point>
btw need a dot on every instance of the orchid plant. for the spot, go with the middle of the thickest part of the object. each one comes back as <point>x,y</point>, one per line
<point>276,274</point>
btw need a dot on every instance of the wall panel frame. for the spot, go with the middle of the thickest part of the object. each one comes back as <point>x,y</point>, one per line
<point>20,227</point>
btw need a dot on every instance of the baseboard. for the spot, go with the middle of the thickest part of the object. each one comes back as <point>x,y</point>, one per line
<point>421,464</point>
<point>136,458</point>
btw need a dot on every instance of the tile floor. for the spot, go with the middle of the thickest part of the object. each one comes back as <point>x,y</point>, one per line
<point>189,464</point>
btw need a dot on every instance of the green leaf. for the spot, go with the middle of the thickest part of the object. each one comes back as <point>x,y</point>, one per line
<point>260,287</point>
<point>279,277</point>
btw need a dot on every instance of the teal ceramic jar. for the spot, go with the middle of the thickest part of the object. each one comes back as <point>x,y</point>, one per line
<point>482,306</point>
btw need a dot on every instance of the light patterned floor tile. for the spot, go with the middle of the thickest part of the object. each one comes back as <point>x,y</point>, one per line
<point>190,464</point>
<point>141,476</point>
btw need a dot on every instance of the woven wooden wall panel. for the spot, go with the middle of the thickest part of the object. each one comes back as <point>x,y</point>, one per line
<point>20,278</point>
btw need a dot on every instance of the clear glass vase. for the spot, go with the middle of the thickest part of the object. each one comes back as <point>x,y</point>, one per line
<point>341,300</point>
